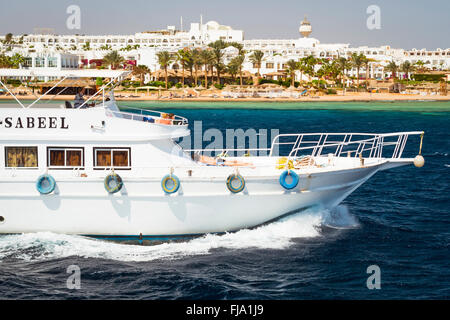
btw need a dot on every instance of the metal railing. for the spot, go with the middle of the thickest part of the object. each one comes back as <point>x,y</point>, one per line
<point>145,115</point>
<point>367,145</point>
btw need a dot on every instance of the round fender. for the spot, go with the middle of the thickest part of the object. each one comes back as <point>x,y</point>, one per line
<point>113,183</point>
<point>170,183</point>
<point>293,183</point>
<point>235,183</point>
<point>45,184</point>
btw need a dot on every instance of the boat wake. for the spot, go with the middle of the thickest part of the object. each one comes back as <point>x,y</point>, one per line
<point>277,235</point>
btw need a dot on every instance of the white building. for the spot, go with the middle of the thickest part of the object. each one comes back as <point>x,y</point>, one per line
<point>142,48</point>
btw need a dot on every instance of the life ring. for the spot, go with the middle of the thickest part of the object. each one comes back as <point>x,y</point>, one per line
<point>235,177</point>
<point>170,183</point>
<point>295,179</point>
<point>113,183</point>
<point>45,184</point>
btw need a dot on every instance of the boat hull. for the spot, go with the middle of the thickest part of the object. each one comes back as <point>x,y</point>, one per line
<point>200,206</point>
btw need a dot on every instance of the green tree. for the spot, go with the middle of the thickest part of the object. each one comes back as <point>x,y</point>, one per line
<point>217,53</point>
<point>113,59</point>
<point>87,46</point>
<point>292,67</point>
<point>140,71</point>
<point>164,60</point>
<point>357,60</point>
<point>233,69</point>
<point>256,58</point>
<point>183,56</point>
<point>421,68</point>
<point>238,61</point>
<point>393,68</point>
<point>344,65</point>
<point>197,63</point>
<point>207,59</point>
<point>407,67</point>
<point>310,63</point>
<point>8,38</point>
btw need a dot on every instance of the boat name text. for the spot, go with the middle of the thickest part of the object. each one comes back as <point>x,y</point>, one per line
<point>34,122</point>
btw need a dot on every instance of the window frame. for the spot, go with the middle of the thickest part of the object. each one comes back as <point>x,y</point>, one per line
<point>111,149</point>
<point>5,151</point>
<point>49,148</point>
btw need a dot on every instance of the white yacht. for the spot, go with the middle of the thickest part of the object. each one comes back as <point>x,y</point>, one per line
<point>105,173</point>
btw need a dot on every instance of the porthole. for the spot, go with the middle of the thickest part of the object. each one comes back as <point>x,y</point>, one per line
<point>2,219</point>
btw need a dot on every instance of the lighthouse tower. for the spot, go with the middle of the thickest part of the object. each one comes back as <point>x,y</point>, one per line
<point>305,28</point>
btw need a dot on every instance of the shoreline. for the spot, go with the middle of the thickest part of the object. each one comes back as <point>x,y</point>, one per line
<point>349,97</point>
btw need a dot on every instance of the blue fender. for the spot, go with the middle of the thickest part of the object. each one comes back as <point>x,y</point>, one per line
<point>45,184</point>
<point>295,179</point>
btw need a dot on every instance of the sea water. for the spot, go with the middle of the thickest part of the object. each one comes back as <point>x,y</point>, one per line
<point>399,221</point>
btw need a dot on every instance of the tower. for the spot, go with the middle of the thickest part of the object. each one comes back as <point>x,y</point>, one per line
<point>305,28</point>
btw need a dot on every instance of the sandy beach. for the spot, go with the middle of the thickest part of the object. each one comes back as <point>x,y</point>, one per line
<point>212,96</point>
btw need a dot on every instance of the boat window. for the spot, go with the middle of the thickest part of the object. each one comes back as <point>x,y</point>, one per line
<point>65,157</point>
<point>112,157</point>
<point>21,157</point>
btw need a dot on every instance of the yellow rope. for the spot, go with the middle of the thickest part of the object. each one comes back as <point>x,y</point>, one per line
<point>421,140</point>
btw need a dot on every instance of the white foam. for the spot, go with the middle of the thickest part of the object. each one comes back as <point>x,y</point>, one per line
<point>277,235</point>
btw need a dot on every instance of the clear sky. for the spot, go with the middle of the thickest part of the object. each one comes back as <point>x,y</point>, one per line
<point>404,24</point>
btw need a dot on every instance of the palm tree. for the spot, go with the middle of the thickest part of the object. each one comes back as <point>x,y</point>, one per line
<point>183,56</point>
<point>8,37</point>
<point>113,59</point>
<point>217,52</point>
<point>343,64</point>
<point>256,58</point>
<point>292,66</point>
<point>310,64</point>
<point>87,46</point>
<point>197,63</point>
<point>407,67</point>
<point>206,59</point>
<point>357,60</point>
<point>392,67</point>
<point>302,68</point>
<point>239,60</point>
<point>366,63</point>
<point>164,59</point>
<point>141,70</point>
<point>232,68</point>
<point>421,66</point>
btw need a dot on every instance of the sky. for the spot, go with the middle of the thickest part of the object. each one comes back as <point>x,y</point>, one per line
<point>403,24</point>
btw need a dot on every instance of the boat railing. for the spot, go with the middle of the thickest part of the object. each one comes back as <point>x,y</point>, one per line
<point>146,115</point>
<point>367,145</point>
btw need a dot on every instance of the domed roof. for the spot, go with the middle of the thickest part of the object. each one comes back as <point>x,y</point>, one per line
<point>212,25</point>
<point>305,28</point>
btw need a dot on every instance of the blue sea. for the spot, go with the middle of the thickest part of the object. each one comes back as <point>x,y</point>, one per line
<point>398,221</point>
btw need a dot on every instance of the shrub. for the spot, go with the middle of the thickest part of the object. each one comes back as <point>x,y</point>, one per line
<point>331,91</point>
<point>428,77</point>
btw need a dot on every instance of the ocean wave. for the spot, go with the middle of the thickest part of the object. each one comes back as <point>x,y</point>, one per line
<point>276,235</point>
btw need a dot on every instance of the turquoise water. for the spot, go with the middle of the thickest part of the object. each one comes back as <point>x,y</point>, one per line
<point>414,106</point>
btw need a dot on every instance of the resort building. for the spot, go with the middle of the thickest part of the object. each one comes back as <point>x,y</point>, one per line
<point>142,48</point>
